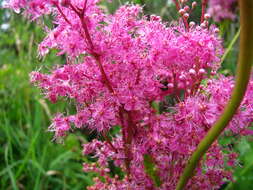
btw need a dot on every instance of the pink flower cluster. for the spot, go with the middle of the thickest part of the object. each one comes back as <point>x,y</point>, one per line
<point>220,9</point>
<point>156,81</point>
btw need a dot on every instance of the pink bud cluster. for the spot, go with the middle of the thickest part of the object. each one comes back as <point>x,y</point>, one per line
<point>220,9</point>
<point>120,67</point>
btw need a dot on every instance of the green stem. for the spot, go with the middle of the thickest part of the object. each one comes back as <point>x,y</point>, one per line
<point>230,46</point>
<point>242,78</point>
<point>151,170</point>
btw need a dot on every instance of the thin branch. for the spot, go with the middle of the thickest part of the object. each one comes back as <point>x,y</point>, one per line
<point>62,14</point>
<point>204,4</point>
<point>177,4</point>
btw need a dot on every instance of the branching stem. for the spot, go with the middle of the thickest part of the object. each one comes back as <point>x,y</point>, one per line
<point>125,116</point>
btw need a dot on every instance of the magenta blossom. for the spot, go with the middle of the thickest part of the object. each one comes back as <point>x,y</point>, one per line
<point>158,82</point>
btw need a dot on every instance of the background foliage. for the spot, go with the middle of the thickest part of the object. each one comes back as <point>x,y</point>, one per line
<point>29,159</point>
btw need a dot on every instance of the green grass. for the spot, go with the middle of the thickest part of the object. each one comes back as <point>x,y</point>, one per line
<point>29,159</point>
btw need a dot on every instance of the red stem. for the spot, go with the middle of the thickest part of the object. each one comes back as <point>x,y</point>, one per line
<point>62,14</point>
<point>130,130</point>
<point>84,7</point>
<point>186,24</point>
<point>110,143</point>
<point>126,145</point>
<point>74,9</point>
<point>126,124</point>
<point>87,35</point>
<point>204,4</point>
<point>105,78</point>
<point>95,54</point>
<point>177,4</point>
<point>184,19</point>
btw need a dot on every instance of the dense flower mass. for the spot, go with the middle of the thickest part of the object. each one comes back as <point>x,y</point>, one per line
<point>154,80</point>
<point>220,9</point>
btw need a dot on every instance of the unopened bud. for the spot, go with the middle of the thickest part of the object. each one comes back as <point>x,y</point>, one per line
<point>194,4</point>
<point>216,30</point>
<point>207,16</point>
<point>170,85</point>
<point>198,28</point>
<point>186,8</point>
<point>181,12</point>
<point>202,71</point>
<point>203,25</point>
<point>186,15</point>
<point>182,77</point>
<point>192,72</point>
<point>191,24</point>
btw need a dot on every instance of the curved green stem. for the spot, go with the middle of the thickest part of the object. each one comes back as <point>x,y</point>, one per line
<point>242,78</point>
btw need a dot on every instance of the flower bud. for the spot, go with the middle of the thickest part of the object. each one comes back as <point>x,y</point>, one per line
<point>198,28</point>
<point>186,8</point>
<point>181,12</point>
<point>194,4</point>
<point>216,30</point>
<point>192,72</point>
<point>182,77</point>
<point>186,15</point>
<point>203,25</point>
<point>191,24</point>
<point>207,16</point>
<point>170,85</point>
<point>202,71</point>
<point>213,73</point>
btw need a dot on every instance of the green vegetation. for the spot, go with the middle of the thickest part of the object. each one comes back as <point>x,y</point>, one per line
<point>29,159</point>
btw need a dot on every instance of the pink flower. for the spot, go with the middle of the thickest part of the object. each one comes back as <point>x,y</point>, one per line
<point>153,80</point>
<point>60,125</point>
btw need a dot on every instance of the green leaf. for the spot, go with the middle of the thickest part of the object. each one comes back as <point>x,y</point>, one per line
<point>151,170</point>
<point>141,2</point>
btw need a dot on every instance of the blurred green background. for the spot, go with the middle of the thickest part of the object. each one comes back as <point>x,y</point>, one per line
<point>29,159</point>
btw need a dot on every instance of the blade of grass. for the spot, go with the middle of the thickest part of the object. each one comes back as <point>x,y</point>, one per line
<point>230,46</point>
<point>10,173</point>
<point>26,159</point>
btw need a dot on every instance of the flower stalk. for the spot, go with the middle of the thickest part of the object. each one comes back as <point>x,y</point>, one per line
<point>242,78</point>
<point>204,4</point>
